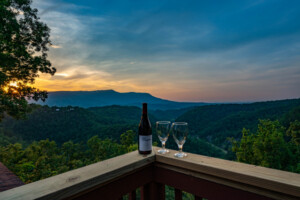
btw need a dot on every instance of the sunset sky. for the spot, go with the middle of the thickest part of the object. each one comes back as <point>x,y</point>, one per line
<point>212,51</point>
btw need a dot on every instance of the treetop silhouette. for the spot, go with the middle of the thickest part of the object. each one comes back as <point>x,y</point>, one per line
<point>24,42</point>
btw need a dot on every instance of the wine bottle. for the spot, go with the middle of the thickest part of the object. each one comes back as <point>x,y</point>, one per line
<point>145,133</point>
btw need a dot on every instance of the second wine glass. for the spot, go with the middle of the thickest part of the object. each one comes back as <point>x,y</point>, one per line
<point>180,132</point>
<point>162,131</point>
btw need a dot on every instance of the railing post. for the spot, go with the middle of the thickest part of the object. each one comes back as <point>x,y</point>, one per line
<point>145,192</point>
<point>153,191</point>
<point>161,194</point>
<point>178,194</point>
<point>132,195</point>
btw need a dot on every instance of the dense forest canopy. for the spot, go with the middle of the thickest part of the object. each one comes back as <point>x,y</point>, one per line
<point>212,123</point>
<point>53,140</point>
<point>216,123</point>
<point>45,158</point>
<point>73,123</point>
<point>273,145</point>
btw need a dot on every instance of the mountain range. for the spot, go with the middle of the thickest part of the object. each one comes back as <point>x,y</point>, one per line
<point>209,126</point>
<point>98,98</point>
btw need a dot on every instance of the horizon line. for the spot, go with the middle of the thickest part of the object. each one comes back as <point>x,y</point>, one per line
<point>209,102</point>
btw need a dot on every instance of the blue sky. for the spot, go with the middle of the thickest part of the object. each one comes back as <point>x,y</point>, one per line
<point>214,51</point>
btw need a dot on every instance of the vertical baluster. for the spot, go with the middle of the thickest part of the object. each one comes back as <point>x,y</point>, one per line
<point>161,191</point>
<point>132,195</point>
<point>145,192</point>
<point>178,194</point>
<point>157,191</point>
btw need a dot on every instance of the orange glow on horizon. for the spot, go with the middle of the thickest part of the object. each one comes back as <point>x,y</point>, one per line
<point>88,84</point>
<point>183,91</point>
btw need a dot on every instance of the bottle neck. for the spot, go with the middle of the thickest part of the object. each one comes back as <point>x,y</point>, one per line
<point>145,109</point>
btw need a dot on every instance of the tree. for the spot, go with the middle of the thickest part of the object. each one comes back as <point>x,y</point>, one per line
<point>294,132</point>
<point>24,42</point>
<point>268,147</point>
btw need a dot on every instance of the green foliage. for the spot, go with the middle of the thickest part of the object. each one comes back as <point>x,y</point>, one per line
<point>171,115</point>
<point>210,126</point>
<point>23,54</point>
<point>198,146</point>
<point>103,149</point>
<point>268,147</point>
<point>62,124</point>
<point>128,140</point>
<point>292,119</point>
<point>294,132</point>
<point>44,158</point>
<point>291,116</point>
<point>5,140</point>
<point>215,123</point>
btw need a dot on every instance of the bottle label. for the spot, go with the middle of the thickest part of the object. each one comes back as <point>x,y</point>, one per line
<point>145,142</point>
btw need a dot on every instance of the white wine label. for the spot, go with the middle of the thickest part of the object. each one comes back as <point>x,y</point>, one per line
<point>145,142</point>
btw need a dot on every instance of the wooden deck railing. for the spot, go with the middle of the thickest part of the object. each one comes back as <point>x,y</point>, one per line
<point>204,177</point>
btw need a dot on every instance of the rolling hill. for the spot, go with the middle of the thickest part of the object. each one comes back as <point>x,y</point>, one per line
<point>215,123</point>
<point>86,99</point>
<point>209,125</point>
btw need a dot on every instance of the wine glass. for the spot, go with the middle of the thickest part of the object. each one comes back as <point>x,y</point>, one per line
<point>180,132</point>
<point>162,131</point>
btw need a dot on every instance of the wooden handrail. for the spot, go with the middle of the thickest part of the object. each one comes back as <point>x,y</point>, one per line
<point>222,175</point>
<point>268,182</point>
<point>79,180</point>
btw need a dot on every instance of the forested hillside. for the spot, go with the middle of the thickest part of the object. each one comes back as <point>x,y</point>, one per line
<point>62,124</point>
<point>209,126</point>
<point>170,115</point>
<point>215,123</point>
<point>53,140</point>
<point>274,144</point>
<point>45,158</point>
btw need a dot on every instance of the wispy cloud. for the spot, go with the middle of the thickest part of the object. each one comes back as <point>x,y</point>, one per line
<point>56,46</point>
<point>181,50</point>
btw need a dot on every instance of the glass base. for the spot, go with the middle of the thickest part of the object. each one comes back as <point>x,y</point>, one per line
<point>180,155</point>
<point>163,151</point>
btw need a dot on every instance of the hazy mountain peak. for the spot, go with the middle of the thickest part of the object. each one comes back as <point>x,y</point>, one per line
<point>111,97</point>
<point>106,91</point>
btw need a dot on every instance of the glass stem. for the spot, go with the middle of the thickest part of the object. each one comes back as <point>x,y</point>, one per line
<point>163,145</point>
<point>180,148</point>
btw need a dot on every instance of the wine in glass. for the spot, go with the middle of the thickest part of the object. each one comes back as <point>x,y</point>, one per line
<point>180,132</point>
<point>162,131</point>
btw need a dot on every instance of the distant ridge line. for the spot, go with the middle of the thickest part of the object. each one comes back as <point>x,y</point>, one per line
<point>100,98</point>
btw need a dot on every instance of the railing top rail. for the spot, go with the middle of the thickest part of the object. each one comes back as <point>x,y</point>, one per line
<point>81,179</point>
<point>261,177</point>
<point>85,178</point>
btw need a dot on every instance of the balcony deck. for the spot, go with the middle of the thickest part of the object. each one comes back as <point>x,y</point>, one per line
<point>205,177</point>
